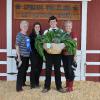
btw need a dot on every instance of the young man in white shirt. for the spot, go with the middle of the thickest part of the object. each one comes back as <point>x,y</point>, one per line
<point>53,59</point>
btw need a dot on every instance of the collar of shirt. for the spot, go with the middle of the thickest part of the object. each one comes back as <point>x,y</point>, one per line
<point>37,33</point>
<point>53,28</point>
<point>50,29</point>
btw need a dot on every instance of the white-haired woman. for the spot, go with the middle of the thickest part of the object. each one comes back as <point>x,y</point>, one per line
<point>23,52</point>
<point>68,59</point>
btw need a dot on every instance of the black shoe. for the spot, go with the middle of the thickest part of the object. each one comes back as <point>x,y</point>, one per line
<point>45,90</point>
<point>33,86</point>
<point>25,84</point>
<point>61,90</point>
<point>37,86</point>
<point>19,90</point>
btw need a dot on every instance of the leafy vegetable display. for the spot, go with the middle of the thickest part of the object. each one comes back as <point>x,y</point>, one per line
<point>55,37</point>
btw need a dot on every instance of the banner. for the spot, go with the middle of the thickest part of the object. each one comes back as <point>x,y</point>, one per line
<point>63,11</point>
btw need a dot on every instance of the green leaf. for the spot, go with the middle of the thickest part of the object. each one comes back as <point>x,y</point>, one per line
<point>55,37</point>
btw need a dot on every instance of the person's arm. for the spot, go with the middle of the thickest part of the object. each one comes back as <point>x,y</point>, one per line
<point>75,56</point>
<point>75,39</point>
<point>45,32</point>
<point>18,53</point>
<point>18,42</point>
<point>74,36</point>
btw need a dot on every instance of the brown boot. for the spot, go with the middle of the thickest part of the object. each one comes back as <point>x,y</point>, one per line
<point>70,86</point>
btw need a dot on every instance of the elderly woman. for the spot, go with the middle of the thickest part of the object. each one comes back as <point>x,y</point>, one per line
<point>23,52</point>
<point>68,59</point>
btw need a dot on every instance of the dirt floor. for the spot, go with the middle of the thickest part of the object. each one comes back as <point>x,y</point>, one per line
<point>83,90</point>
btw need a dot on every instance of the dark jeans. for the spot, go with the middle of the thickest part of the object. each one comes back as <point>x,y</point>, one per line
<point>53,59</point>
<point>21,76</point>
<point>36,67</point>
<point>67,64</point>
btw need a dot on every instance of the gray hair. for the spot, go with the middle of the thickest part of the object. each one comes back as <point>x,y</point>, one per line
<point>68,22</point>
<point>23,23</point>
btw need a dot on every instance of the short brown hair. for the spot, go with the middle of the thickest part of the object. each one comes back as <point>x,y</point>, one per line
<point>52,18</point>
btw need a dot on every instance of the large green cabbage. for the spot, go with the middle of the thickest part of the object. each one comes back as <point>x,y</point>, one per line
<point>55,37</point>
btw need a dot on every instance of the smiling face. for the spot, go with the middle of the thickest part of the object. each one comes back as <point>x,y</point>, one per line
<point>24,26</point>
<point>53,23</point>
<point>68,26</point>
<point>37,28</point>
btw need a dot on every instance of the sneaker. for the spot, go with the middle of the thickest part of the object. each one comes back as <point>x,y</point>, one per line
<point>61,90</point>
<point>45,90</point>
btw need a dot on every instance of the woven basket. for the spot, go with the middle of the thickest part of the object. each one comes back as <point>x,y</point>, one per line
<point>54,48</point>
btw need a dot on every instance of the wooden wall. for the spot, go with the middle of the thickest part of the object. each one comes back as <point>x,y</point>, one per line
<point>3,37</point>
<point>93,38</point>
<point>93,35</point>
